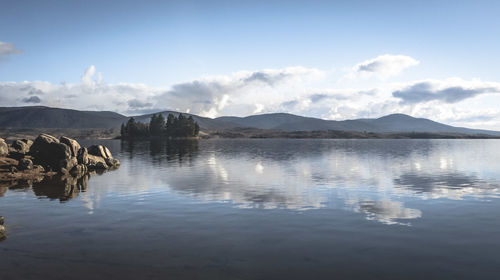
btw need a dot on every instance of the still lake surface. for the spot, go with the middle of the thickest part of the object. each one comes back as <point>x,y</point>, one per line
<point>265,209</point>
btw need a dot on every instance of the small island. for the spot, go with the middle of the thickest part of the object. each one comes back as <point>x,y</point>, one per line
<point>174,127</point>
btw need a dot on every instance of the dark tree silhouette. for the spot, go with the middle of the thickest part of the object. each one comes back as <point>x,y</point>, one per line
<point>174,127</point>
<point>157,125</point>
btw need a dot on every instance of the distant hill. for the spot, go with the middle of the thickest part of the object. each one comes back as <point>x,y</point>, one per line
<point>46,117</point>
<point>405,123</point>
<point>386,124</point>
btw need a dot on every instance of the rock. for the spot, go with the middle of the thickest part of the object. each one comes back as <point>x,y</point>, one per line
<point>21,146</point>
<point>83,156</point>
<point>47,155</point>
<point>72,144</point>
<point>38,168</point>
<point>101,165</point>
<point>79,169</point>
<point>4,149</point>
<point>112,162</point>
<point>108,152</point>
<point>49,152</point>
<point>6,162</point>
<point>101,157</point>
<point>42,140</point>
<point>2,220</point>
<point>3,232</point>
<point>25,164</point>
<point>27,141</point>
<point>96,162</point>
<point>100,151</point>
<point>67,164</point>
<point>96,150</point>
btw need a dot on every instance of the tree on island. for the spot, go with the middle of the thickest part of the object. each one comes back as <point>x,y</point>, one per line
<point>174,127</point>
<point>157,125</point>
<point>134,129</point>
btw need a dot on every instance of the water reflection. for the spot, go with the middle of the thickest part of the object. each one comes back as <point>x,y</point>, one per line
<point>162,150</point>
<point>387,212</point>
<point>451,185</point>
<point>3,189</point>
<point>57,187</point>
<point>311,174</point>
<point>62,188</point>
<point>375,178</point>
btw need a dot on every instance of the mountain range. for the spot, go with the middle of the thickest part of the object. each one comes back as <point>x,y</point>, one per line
<point>47,117</point>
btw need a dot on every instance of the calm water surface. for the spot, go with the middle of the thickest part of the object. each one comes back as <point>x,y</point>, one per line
<point>264,209</point>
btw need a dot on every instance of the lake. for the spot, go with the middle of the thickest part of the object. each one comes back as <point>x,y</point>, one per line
<point>264,209</point>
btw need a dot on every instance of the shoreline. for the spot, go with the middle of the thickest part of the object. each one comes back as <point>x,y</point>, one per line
<point>10,135</point>
<point>246,133</point>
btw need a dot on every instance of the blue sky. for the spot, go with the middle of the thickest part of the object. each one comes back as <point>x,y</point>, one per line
<point>196,56</point>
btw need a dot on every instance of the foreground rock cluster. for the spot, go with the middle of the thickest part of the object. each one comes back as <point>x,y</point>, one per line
<point>47,155</point>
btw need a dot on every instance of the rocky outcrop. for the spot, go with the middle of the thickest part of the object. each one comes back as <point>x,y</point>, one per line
<point>100,151</point>
<point>97,162</point>
<point>83,156</point>
<point>72,144</point>
<point>4,149</point>
<point>21,146</point>
<point>25,164</point>
<point>48,155</point>
<point>51,154</point>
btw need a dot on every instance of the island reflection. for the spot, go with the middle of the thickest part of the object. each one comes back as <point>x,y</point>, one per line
<point>374,178</point>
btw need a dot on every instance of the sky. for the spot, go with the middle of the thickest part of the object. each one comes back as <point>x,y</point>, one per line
<point>327,59</point>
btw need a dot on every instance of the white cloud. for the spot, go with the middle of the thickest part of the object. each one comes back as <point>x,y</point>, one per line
<point>88,75</point>
<point>88,95</point>
<point>383,66</point>
<point>239,93</point>
<point>258,108</point>
<point>138,104</point>
<point>296,90</point>
<point>209,96</point>
<point>8,49</point>
<point>449,91</point>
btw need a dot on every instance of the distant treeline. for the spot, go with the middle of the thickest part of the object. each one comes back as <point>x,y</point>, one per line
<point>173,127</point>
<point>337,134</point>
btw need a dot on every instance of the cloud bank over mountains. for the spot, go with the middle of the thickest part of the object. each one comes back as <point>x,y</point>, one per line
<point>299,90</point>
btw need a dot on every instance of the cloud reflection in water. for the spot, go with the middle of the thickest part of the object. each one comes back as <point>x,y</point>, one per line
<point>373,177</point>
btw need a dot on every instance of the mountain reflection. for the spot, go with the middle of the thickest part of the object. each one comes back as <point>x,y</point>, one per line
<point>376,179</point>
